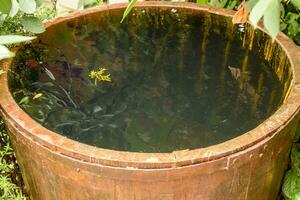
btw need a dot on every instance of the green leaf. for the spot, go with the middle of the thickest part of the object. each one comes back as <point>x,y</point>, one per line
<point>231,5</point>
<point>296,195</point>
<point>5,52</point>
<point>259,10</point>
<point>14,8</point>
<point>91,3</point>
<point>38,95</point>
<point>295,156</point>
<point>24,100</point>
<point>27,6</point>
<point>72,4</point>
<point>2,19</point>
<point>292,24</point>
<point>33,24</point>
<point>250,4</point>
<point>218,3</point>
<point>291,184</point>
<point>128,9</point>
<point>272,18</point>
<point>11,39</point>
<point>296,3</point>
<point>202,1</point>
<point>5,6</point>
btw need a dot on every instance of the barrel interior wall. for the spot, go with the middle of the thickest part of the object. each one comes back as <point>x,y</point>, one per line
<point>273,54</point>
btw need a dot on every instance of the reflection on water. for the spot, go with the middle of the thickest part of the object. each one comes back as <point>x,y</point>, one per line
<point>177,82</point>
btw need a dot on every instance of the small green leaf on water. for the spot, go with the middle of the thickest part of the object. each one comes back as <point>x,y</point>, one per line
<point>5,6</point>
<point>38,95</point>
<point>5,52</point>
<point>33,24</point>
<point>128,9</point>
<point>24,100</point>
<point>27,6</point>
<point>11,39</point>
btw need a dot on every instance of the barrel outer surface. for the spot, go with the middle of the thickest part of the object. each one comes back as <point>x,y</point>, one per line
<point>253,174</point>
<point>240,169</point>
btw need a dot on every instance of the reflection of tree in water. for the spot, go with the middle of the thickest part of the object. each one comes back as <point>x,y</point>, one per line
<point>171,85</point>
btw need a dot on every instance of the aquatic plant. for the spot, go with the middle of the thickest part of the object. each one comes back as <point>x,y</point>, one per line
<point>99,75</point>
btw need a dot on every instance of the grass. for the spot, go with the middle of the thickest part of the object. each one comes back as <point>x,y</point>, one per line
<point>10,179</point>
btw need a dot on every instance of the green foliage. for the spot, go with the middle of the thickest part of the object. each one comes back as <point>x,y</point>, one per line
<point>290,23</point>
<point>17,17</point>
<point>33,24</point>
<point>202,1</point>
<point>218,3</point>
<point>24,100</point>
<point>91,3</point>
<point>291,184</point>
<point>128,9</point>
<point>11,39</point>
<point>27,6</point>
<point>277,15</point>
<point>296,3</point>
<point>269,10</point>
<point>5,6</point>
<point>272,18</point>
<point>5,52</point>
<point>14,9</point>
<point>10,181</point>
<point>250,4</point>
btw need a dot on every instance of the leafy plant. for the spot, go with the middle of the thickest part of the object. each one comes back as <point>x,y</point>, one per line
<point>128,9</point>
<point>277,16</point>
<point>26,8</point>
<point>10,39</point>
<point>99,75</point>
<point>23,10</point>
<point>291,185</point>
<point>9,178</point>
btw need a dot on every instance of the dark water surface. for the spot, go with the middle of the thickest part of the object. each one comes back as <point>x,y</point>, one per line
<point>177,82</point>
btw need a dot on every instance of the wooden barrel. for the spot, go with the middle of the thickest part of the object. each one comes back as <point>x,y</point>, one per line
<point>250,166</point>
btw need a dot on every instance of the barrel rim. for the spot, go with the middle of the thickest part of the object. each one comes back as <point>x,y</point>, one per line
<point>17,120</point>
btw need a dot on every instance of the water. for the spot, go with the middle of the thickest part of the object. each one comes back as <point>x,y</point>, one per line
<point>177,82</point>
